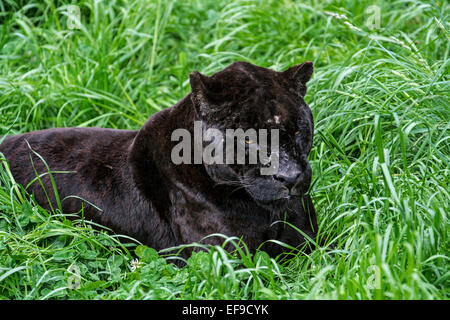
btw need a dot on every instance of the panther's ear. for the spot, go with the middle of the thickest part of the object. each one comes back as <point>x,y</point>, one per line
<point>300,75</point>
<point>199,84</point>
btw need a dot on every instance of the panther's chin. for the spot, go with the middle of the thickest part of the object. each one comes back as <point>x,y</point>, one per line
<point>276,207</point>
<point>267,193</point>
<point>279,202</point>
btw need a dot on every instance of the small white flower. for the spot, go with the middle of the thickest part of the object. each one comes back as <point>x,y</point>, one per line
<point>135,264</point>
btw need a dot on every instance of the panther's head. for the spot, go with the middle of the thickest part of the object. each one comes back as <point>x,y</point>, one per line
<point>246,96</point>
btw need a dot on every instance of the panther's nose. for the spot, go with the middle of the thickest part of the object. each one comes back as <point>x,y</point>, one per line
<point>289,180</point>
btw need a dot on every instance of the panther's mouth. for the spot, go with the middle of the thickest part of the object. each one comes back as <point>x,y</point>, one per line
<point>272,192</point>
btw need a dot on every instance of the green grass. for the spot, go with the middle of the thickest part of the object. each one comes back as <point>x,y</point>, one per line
<point>380,159</point>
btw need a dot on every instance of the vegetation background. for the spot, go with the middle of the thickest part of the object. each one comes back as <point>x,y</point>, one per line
<point>380,98</point>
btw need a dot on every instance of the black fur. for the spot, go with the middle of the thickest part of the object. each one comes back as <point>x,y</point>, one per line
<point>130,175</point>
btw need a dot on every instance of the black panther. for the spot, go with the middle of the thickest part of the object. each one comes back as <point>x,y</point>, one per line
<point>129,175</point>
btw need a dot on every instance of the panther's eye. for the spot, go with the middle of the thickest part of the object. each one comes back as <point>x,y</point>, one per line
<point>297,133</point>
<point>249,141</point>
